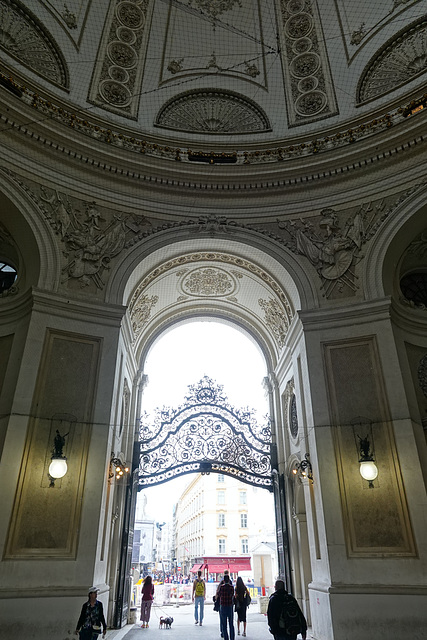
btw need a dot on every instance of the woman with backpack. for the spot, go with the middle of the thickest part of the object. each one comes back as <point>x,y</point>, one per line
<point>242,600</point>
<point>198,597</point>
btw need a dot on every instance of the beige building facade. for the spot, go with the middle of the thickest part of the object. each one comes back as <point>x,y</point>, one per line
<point>262,163</point>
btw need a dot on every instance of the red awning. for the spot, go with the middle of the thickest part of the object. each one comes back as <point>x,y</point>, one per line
<point>243,564</point>
<point>195,568</point>
<point>217,568</point>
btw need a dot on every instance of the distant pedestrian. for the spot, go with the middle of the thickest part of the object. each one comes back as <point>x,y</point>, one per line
<point>226,596</point>
<point>91,618</point>
<point>147,594</point>
<point>285,618</point>
<point>242,599</point>
<point>199,597</point>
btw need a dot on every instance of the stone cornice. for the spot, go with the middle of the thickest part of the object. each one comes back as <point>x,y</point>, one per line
<point>63,306</point>
<point>118,152</point>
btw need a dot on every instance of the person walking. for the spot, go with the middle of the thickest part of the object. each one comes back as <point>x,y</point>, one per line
<point>216,598</point>
<point>147,594</point>
<point>226,595</point>
<point>242,599</point>
<point>199,597</point>
<point>285,618</point>
<point>91,618</point>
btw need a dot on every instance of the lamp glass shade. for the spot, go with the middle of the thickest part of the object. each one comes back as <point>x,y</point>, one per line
<point>58,468</point>
<point>368,470</point>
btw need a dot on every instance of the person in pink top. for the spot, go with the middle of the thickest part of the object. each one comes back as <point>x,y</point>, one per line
<point>146,601</point>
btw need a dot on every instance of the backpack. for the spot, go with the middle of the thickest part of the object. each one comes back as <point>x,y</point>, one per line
<point>200,588</point>
<point>289,619</point>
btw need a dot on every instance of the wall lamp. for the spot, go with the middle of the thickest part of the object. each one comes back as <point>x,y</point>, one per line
<point>118,466</point>
<point>58,466</point>
<point>368,469</point>
<point>365,447</point>
<point>304,469</point>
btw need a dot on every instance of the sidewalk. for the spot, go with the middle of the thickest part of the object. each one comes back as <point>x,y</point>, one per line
<point>183,625</point>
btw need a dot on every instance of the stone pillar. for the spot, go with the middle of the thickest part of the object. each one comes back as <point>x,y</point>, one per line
<point>373,552</point>
<point>64,369</point>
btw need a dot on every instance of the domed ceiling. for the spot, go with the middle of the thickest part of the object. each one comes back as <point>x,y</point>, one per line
<point>229,72</point>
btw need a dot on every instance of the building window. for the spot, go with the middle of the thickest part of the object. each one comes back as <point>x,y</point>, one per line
<point>221,545</point>
<point>221,519</point>
<point>221,477</point>
<point>244,520</point>
<point>221,497</point>
<point>245,545</point>
<point>243,497</point>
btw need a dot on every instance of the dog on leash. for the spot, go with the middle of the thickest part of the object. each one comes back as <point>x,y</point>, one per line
<point>165,623</point>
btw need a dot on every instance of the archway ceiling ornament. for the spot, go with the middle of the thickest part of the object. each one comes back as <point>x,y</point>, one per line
<point>400,60</point>
<point>213,111</point>
<point>24,38</point>
<point>205,433</point>
<point>232,283</point>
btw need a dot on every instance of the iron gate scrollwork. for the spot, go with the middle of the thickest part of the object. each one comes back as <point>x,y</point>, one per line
<point>206,433</point>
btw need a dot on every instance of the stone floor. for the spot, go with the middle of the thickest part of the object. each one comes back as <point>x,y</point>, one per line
<point>184,627</point>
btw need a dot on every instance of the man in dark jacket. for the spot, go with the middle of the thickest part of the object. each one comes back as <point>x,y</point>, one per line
<point>285,618</point>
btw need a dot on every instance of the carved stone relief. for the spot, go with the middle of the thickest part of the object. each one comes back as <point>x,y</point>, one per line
<point>400,60</point>
<point>212,111</point>
<point>118,73</point>
<point>308,80</point>
<point>275,319</point>
<point>24,38</point>
<point>90,235</point>
<point>333,245</point>
<point>290,409</point>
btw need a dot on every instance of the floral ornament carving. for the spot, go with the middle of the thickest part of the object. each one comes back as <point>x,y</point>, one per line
<point>212,111</point>
<point>310,95</point>
<point>208,282</point>
<point>126,405</point>
<point>422,374</point>
<point>290,409</point>
<point>214,8</point>
<point>400,60</point>
<point>91,239</point>
<point>118,73</point>
<point>24,37</point>
<point>140,313</point>
<point>276,319</point>
<point>69,18</point>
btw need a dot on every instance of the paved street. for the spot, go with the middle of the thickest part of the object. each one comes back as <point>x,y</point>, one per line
<point>184,627</point>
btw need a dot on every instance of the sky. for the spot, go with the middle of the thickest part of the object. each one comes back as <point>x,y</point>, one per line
<point>182,357</point>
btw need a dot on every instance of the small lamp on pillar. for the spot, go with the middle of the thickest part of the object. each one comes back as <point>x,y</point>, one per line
<point>58,466</point>
<point>368,469</point>
<point>304,469</point>
<point>118,466</point>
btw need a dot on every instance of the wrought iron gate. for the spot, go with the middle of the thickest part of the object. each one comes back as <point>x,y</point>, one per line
<point>205,434</point>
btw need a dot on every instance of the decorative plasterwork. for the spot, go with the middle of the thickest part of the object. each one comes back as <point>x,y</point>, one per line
<point>117,78</point>
<point>212,111</point>
<point>234,43</point>
<point>210,256</point>
<point>400,60</point>
<point>208,281</point>
<point>90,235</point>
<point>422,375</point>
<point>308,80</point>
<point>24,38</point>
<point>332,243</point>
<point>141,313</point>
<point>136,144</point>
<point>275,319</point>
<point>289,408</point>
